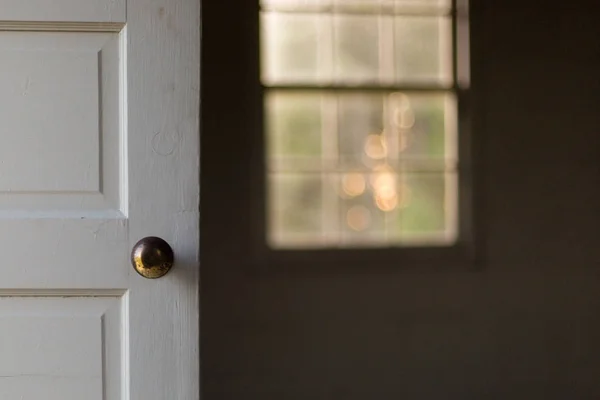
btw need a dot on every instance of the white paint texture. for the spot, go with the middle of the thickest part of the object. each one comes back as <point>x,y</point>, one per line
<point>100,147</point>
<point>63,10</point>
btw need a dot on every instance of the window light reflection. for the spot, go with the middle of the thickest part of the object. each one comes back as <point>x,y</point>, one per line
<point>369,166</point>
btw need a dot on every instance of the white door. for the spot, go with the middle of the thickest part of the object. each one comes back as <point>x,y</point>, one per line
<point>99,148</point>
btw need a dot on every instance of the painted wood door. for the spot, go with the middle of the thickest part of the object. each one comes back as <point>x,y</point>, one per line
<point>99,148</point>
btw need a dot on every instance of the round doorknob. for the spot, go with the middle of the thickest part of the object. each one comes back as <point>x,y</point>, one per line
<point>152,257</point>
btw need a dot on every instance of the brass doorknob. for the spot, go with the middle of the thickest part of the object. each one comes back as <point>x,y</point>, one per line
<point>152,257</point>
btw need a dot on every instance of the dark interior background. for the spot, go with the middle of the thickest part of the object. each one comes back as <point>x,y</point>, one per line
<point>525,325</point>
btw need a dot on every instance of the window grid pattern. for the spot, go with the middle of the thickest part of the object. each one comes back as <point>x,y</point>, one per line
<point>360,120</point>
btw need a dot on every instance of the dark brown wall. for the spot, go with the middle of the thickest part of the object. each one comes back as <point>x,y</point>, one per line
<point>525,326</point>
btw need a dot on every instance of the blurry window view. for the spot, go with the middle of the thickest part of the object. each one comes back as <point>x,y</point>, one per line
<point>360,120</point>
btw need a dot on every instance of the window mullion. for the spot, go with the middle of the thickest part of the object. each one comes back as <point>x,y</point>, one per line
<point>329,146</point>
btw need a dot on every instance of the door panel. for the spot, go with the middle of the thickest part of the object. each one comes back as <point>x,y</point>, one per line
<point>99,127</point>
<point>69,348</point>
<point>62,88</point>
<point>63,186</point>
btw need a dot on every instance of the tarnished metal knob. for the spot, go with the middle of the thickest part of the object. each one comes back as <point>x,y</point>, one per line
<point>152,257</point>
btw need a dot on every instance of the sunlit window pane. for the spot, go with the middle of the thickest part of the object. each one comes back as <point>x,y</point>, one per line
<point>394,127</point>
<point>310,130</point>
<point>423,50</point>
<point>360,129</point>
<point>423,4</point>
<point>351,49</point>
<point>357,5</point>
<point>361,168</point>
<point>360,121</point>
<point>366,6</point>
<point>396,207</point>
<point>428,209</point>
<point>296,203</point>
<point>362,222</point>
<point>383,208</point>
<point>293,125</point>
<point>299,210</point>
<point>421,125</point>
<point>393,5</point>
<point>294,5</point>
<point>357,48</point>
<point>291,48</point>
